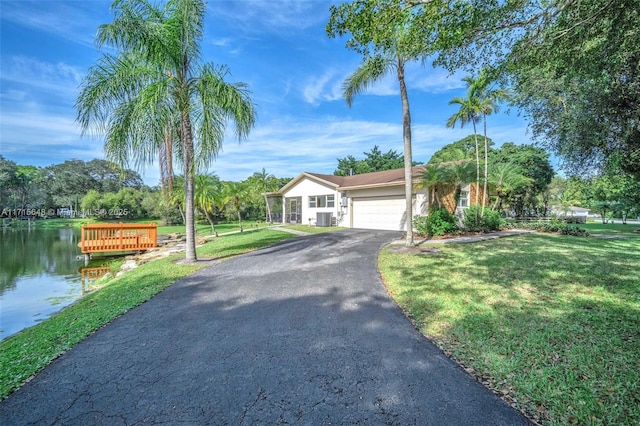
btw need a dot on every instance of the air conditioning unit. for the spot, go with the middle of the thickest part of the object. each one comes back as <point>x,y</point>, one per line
<point>323,219</point>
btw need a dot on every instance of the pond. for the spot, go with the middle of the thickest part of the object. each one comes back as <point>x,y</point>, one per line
<point>39,275</point>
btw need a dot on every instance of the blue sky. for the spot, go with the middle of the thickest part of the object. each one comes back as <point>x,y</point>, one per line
<point>279,48</point>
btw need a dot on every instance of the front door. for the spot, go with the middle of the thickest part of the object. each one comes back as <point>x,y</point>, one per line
<point>294,207</point>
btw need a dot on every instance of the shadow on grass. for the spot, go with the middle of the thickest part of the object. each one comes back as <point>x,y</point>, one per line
<point>548,321</point>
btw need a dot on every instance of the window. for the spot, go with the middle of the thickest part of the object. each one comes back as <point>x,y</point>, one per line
<point>464,199</point>
<point>321,201</point>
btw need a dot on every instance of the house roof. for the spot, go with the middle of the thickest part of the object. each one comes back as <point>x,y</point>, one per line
<point>366,180</point>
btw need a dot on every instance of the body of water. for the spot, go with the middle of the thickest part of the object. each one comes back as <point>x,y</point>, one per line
<point>39,275</point>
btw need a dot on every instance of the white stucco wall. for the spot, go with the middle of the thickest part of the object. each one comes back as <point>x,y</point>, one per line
<point>307,188</point>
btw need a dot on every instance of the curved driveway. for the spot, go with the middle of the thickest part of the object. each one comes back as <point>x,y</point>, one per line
<point>302,332</point>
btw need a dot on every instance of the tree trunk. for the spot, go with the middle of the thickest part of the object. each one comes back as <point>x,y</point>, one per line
<point>406,135</point>
<point>181,210</point>
<point>210,220</point>
<point>486,166</point>
<point>475,137</point>
<point>189,183</point>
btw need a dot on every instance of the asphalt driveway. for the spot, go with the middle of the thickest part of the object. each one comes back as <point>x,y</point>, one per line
<point>302,332</point>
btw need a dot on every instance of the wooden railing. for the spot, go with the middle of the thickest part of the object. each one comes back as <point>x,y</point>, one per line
<point>106,237</point>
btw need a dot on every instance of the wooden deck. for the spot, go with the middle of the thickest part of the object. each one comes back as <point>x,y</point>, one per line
<point>109,237</point>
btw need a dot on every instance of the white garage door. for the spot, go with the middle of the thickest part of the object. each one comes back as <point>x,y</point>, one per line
<point>379,213</point>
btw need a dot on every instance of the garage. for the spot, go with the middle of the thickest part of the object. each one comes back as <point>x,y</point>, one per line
<point>379,213</point>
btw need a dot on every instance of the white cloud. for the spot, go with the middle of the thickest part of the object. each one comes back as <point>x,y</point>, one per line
<point>290,145</point>
<point>326,87</point>
<point>434,80</point>
<point>283,16</point>
<point>58,78</point>
<point>226,41</point>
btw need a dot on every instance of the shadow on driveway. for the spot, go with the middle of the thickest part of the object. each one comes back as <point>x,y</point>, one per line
<point>302,332</point>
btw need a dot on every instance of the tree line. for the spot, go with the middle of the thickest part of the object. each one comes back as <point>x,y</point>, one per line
<point>100,189</point>
<point>571,63</point>
<point>61,185</point>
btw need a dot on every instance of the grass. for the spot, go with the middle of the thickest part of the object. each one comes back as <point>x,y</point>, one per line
<point>28,352</point>
<point>202,229</point>
<point>551,323</point>
<point>611,228</point>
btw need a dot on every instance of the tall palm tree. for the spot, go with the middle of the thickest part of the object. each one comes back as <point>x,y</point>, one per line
<point>489,97</point>
<point>155,81</point>
<point>372,69</point>
<point>469,112</point>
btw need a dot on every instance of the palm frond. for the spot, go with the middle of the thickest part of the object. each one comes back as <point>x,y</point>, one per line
<point>370,71</point>
<point>217,102</point>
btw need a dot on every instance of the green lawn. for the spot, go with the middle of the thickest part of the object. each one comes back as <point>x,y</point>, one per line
<point>550,322</point>
<point>26,353</point>
<point>203,229</point>
<point>611,228</point>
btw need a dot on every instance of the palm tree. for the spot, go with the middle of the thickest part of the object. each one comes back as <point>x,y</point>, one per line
<point>469,112</point>
<point>373,68</point>
<point>155,81</point>
<point>165,160</point>
<point>429,179</point>
<point>175,196</point>
<point>456,174</point>
<point>506,177</point>
<point>489,98</point>
<point>235,195</point>
<point>208,193</point>
<point>263,182</point>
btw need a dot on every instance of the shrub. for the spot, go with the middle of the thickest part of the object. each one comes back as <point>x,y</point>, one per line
<point>438,222</point>
<point>555,226</point>
<point>492,220</point>
<point>477,220</point>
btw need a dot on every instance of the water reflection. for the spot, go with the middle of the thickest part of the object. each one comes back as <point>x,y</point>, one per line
<point>90,275</point>
<point>39,274</point>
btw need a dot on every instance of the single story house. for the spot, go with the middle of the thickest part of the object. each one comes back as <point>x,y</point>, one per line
<point>368,201</point>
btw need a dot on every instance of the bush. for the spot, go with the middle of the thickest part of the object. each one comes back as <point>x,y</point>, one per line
<point>438,222</point>
<point>477,220</point>
<point>555,226</point>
